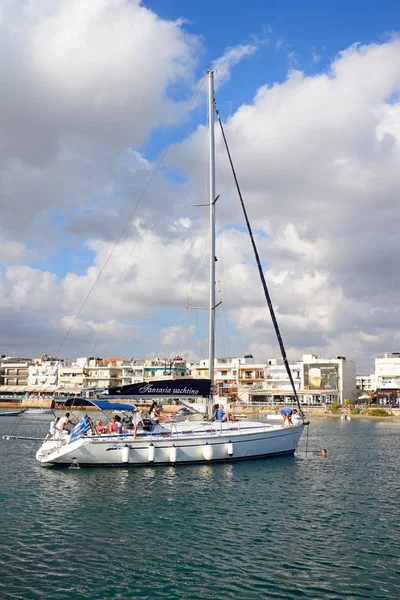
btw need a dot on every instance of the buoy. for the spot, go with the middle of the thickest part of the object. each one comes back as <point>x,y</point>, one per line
<point>151,453</point>
<point>230,448</point>
<point>172,454</point>
<point>125,454</point>
<point>208,452</point>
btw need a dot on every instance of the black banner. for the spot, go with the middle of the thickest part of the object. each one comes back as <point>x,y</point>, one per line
<point>166,388</point>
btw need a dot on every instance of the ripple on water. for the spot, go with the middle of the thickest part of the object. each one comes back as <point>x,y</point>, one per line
<point>290,528</point>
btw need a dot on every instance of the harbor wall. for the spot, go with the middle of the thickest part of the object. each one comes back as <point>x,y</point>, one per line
<point>37,403</point>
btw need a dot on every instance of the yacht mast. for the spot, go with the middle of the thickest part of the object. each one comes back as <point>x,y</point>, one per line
<point>211,328</point>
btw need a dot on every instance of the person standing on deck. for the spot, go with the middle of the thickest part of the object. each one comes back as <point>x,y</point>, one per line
<point>137,420</point>
<point>64,423</point>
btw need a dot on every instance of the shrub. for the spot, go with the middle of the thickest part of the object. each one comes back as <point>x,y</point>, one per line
<point>378,412</point>
<point>334,407</point>
<point>355,410</point>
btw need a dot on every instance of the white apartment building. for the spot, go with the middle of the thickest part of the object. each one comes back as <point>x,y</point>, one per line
<point>366,383</point>
<point>387,370</point>
<point>387,378</point>
<point>73,375</point>
<point>276,377</point>
<point>104,372</point>
<point>11,363</point>
<point>232,375</point>
<point>92,372</point>
<point>15,371</point>
<point>133,371</point>
<point>43,373</point>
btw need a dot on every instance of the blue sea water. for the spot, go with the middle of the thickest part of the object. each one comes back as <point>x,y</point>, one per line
<point>284,528</point>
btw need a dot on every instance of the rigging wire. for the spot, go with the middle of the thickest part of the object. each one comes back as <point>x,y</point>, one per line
<point>260,270</point>
<point>146,187</point>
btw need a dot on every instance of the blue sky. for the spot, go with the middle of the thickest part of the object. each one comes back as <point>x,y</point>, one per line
<point>305,27</point>
<point>299,34</point>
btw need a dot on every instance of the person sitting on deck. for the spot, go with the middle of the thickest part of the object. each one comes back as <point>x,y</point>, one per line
<point>100,427</point>
<point>287,416</point>
<point>114,425</point>
<point>214,414</point>
<point>153,411</point>
<point>227,413</point>
<point>156,413</point>
<point>219,414</point>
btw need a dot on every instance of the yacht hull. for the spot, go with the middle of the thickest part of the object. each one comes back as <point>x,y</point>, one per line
<point>183,447</point>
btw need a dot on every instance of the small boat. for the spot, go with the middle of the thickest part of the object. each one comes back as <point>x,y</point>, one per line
<point>12,413</point>
<point>345,418</point>
<point>271,417</point>
<point>39,411</point>
<point>190,442</point>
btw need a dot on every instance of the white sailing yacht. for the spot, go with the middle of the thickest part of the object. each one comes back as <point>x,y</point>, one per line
<point>189,442</point>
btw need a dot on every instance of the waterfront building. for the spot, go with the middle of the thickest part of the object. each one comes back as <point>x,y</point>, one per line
<point>366,383</point>
<point>44,372</point>
<point>104,372</point>
<point>387,378</point>
<point>231,374</point>
<point>132,371</point>
<point>73,374</point>
<point>329,380</point>
<point>276,377</point>
<point>15,371</point>
<point>92,372</point>
<point>317,381</point>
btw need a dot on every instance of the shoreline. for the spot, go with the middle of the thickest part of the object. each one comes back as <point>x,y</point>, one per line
<point>318,412</point>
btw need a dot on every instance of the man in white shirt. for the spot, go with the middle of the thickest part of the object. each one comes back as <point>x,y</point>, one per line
<point>64,422</point>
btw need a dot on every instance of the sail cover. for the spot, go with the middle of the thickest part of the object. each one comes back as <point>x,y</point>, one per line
<point>165,388</point>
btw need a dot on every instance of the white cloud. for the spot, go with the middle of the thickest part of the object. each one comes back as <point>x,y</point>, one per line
<point>231,57</point>
<point>317,157</point>
<point>83,82</point>
<point>176,336</point>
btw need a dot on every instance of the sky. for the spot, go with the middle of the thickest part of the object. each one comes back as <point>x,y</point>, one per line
<point>103,153</point>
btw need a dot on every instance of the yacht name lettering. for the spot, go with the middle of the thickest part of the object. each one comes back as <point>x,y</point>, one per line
<point>119,447</point>
<point>149,388</point>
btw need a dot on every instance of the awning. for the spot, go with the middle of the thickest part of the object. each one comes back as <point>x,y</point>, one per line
<point>101,404</point>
